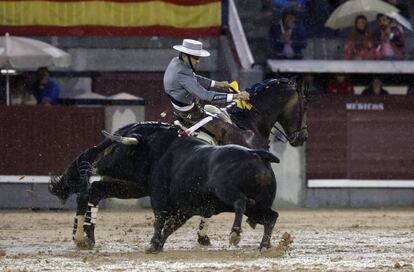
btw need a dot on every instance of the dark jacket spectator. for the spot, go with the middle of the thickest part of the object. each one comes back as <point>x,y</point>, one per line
<point>360,44</point>
<point>287,39</point>
<point>340,85</point>
<point>44,89</point>
<point>375,88</point>
<point>388,39</point>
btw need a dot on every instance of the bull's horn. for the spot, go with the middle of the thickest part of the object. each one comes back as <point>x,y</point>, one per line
<point>120,139</point>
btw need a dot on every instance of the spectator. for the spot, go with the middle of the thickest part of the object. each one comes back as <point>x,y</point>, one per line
<point>45,90</point>
<point>312,86</point>
<point>20,95</point>
<point>287,39</point>
<point>340,85</point>
<point>388,39</point>
<point>375,88</point>
<point>359,45</point>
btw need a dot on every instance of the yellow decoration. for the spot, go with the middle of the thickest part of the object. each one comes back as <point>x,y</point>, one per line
<point>244,105</point>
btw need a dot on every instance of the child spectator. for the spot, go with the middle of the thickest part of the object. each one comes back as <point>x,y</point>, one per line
<point>340,85</point>
<point>375,88</point>
<point>359,45</point>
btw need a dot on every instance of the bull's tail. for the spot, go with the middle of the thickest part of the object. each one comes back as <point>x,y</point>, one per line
<point>266,155</point>
<point>76,176</point>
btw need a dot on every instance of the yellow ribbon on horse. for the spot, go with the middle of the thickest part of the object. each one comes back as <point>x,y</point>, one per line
<point>241,104</point>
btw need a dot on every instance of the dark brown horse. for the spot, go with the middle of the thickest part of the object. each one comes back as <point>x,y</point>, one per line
<point>275,100</point>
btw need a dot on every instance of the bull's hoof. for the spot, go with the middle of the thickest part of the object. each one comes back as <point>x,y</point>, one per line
<point>264,245</point>
<point>204,240</point>
<point>251,223</point>
<point>153,249</point>
<point>234,238</point>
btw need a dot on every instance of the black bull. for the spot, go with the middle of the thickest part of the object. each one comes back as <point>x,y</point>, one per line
<point>194,178</point>
<point>135,171</point>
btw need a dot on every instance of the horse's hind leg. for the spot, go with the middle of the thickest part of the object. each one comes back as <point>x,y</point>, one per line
<point>106,189</point>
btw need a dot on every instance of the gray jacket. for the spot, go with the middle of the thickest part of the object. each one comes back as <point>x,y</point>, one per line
<point>183,86</point>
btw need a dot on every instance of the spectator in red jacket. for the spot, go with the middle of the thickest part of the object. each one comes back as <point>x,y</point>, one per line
<point>340,85</point>
<point>359,45</point>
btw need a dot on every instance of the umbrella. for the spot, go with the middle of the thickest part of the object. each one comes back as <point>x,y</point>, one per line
<point>344,15</point>
<point>401,20</point>
<point>25,53</point>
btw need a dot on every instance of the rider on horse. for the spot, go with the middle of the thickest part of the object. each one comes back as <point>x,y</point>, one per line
<point>185,89</point>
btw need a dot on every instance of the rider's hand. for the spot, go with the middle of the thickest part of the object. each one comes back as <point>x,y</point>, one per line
<point>242,96</point>
<point>224,85</point>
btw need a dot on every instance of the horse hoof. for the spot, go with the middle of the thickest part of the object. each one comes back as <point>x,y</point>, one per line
<point>204,240</point>
<point>234,238</point>
<point>153,249</point>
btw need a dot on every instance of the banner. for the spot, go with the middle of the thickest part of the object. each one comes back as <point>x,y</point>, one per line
<point>177,18</point>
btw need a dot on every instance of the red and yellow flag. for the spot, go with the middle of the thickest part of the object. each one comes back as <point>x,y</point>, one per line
<point>179,18</point>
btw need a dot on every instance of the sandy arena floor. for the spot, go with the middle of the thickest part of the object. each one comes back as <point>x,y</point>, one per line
<point>336,240</point>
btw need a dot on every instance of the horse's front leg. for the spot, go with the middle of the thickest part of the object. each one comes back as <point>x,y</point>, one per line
<point>78,229</point>
<point>202,232</point>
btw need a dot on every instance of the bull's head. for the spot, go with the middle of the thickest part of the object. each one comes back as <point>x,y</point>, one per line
<point>57,186</point>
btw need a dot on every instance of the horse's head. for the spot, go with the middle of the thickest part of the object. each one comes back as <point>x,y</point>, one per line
<point>293,114</point>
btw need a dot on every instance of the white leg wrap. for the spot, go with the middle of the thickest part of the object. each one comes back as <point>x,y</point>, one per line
<point>203,228</point>
<point>91,214</point>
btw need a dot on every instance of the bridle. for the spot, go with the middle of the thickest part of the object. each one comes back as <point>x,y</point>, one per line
<point>302,108</point>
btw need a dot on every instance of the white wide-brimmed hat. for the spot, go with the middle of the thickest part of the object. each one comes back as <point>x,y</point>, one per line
<point>192,47</point>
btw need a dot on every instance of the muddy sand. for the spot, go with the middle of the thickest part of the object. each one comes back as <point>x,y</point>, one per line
<point>303,240</point>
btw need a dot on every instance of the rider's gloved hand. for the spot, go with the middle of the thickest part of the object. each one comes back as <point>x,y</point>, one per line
<point>242,96</point>
<point>224,85</point>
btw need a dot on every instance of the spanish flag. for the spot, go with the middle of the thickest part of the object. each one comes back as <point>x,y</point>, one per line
<point>176,18</point>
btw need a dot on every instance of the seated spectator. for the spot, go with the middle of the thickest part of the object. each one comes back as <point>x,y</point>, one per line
<point>45,90</point>
<point>359,45</point>
<point>388,39</point>
<point>287,39</point>
<point>375,88</point>
<point>20,94</point>
<point>312,86</point>
<point>340,85</point>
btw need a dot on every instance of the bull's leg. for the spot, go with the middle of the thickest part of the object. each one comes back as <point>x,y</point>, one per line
<point>203,238</point>
<point>156,240</point>
<point>172,224</point>
<point>269,223</point>
<point>239,209</point>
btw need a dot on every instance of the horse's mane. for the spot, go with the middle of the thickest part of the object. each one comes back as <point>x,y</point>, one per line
<point>146,128</point>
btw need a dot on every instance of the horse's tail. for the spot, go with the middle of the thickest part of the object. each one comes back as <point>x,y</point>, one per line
<point>76,177</point>
<point>266,155</point>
